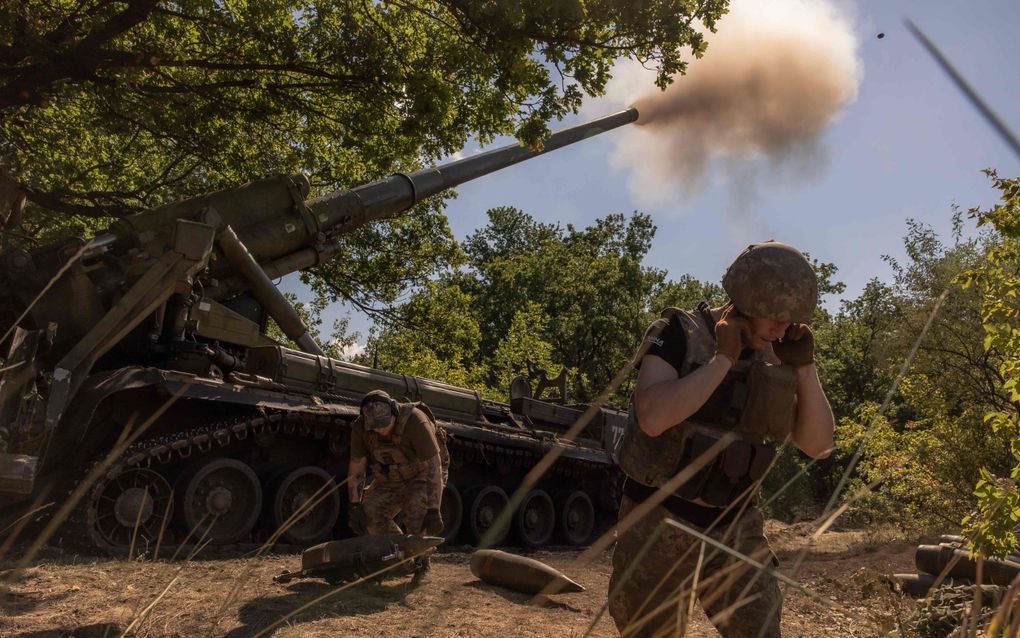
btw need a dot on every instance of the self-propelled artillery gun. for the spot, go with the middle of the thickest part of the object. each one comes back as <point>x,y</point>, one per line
<point>140,387</point>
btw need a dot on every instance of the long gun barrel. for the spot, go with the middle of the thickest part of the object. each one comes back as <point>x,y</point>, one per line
<point>350,209</point>
<point>284,233</point>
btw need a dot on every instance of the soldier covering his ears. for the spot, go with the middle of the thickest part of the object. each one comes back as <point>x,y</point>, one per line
<point>409,463</point>
<point>748,368</point>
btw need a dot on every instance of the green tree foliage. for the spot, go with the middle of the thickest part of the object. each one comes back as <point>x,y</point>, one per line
<point>558,297</point>
<point>847,354</point>
<point>925,452</point>
<point>688,292</point>
<point>925,468</point>
<point>107,108</point>
<point>852,369</point>
<point>523,343</point>
<point>788,492</point>
<point>994,523</point>
<point>590,283</point>
<point>436,337</point>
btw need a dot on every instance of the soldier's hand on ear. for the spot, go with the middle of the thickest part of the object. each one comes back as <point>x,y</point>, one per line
<point>732,333</point>
<point>432,524</point>
<point>797,347</point>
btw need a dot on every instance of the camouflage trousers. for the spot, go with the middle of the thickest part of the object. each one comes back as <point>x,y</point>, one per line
<point>654,599</point>
<point>384,499</point>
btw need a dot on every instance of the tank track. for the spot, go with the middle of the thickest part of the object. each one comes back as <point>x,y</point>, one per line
<point>490,454</point>
<point>166,449</point>
<point>162,450</point>
<point>476,466</point>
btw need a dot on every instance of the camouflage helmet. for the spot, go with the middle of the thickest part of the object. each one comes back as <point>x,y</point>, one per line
<point>772,280</point>
<point>377,408</point>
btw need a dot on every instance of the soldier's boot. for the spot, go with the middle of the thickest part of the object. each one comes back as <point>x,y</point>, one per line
<point>422,566</point>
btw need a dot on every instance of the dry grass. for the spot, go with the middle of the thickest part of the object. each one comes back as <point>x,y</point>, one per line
<point>63,593</point>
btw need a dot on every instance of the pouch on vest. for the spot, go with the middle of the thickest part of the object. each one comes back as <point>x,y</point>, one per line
<point>771,397</point>
<point>389,454</point>
<point>724,406</point>
<point>697,443</point>
<point>390,462</point>
<point>397,471</point>
<point>730,476</point>
<point>649,460</point>
<point>764,454</point>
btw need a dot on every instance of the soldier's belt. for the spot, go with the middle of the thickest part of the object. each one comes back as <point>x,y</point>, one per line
<point>394,472</point>
<point>723,480</point>
<point>681,509</point>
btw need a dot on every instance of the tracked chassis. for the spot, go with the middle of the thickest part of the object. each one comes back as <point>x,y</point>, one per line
<point>253,457</point>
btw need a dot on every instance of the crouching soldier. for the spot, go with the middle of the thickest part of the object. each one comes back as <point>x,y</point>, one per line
<point>409,461</point>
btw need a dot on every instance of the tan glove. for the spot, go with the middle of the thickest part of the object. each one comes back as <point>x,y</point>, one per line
<point>797,347</point>
<point>732,333</point>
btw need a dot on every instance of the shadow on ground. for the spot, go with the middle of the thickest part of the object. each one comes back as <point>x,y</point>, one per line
<point>100,630</point>
<point>366,598</point>
<point>522,599</point>
<point>15,603</point>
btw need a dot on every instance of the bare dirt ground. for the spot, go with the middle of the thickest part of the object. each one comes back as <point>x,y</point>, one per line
<point>86,596</point>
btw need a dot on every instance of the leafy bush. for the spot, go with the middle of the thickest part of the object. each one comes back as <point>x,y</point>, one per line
<point>787,494</point>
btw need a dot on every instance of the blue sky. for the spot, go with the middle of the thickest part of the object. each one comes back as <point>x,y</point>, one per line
<point>908,147</point>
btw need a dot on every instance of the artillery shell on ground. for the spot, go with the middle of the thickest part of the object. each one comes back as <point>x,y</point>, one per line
<point>361,557</point>
<point>918,585</point>
<point>957,563</point>
<point>520,573</point>
<point>959,542</point>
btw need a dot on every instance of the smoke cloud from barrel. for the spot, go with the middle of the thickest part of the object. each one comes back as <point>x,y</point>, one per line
<point>776,74</point>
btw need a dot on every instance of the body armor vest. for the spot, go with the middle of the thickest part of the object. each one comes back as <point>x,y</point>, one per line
<point>756,399</point>
<point>393,458</point>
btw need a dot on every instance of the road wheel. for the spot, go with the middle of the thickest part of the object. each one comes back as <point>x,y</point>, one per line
<point>486,505</point>
<point>576,517</point>
<point>535,518</point>
<point>219,500</point>
<point>306,502</point>
<point>452,509</point>
<point>132,509</point>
